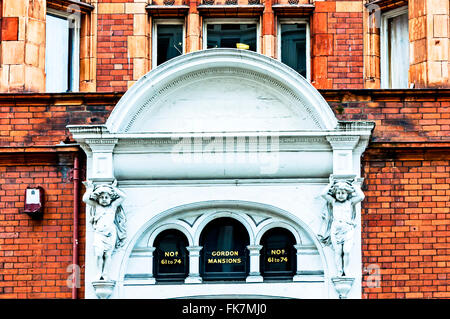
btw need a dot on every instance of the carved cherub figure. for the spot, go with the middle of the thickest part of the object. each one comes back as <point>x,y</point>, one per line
<point>341,197</point>
<point>108,221</point>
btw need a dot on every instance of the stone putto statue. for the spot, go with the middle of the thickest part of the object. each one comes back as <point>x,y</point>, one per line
<point>341,197</point>
<point>108,219</point>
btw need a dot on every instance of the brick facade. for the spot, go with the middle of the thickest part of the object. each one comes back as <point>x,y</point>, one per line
<point>405,216</point>
<point>405,222</point>
<point>35,255</point>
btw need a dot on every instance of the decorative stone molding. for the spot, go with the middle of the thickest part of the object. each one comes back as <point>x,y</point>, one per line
<point>104,288</point>
<point>342,285</point>
<point>219,62</point>
<point>108,221</point>
<point>342,196</point>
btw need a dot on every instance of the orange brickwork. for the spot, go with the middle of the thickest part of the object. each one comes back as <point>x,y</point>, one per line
<point>35,255</point>
<point>39,120</point>
<point>399,115</point>
<point>406,223</point>
<point>337,45</point>
<point>114,65</point>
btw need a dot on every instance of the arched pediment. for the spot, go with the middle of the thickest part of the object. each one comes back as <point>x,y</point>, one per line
<point>221,90</point>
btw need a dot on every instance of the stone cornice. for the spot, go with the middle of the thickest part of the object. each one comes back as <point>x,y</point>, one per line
<point>342,95</point>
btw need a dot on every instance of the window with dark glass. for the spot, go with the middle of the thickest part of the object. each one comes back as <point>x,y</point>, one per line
<point>169,42</point>
<point>293,46</point>
<point>278,254</point>
<point>230,35</point>
<point>224,255</point>
<point>170,257</point>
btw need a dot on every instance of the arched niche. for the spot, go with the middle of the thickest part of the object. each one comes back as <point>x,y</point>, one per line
<point>224,255</point>
<point>170,260</point>
<point>278,254</point>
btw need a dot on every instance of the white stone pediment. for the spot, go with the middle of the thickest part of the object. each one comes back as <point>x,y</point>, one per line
<point>221,90</point>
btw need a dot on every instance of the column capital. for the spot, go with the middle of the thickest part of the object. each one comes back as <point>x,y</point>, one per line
<point>343,142</point>
<point>194,249</point>
<point>102,145</point>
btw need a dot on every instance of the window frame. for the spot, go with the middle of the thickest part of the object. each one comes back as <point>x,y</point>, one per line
<point>207,21</point>
<point>168,276</point>
<point>308,40</point>
<point>384,45</point>
<point>74,52</point>
<point>154,42</point>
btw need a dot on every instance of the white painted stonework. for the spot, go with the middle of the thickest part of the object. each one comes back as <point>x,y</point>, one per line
<point>223,133</point>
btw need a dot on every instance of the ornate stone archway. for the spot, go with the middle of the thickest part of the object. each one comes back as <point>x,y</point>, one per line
<point>221,125</point>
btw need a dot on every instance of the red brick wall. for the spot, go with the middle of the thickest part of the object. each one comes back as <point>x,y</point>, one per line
<point>42,119</point>
<point>337,47</point>
<point>406,223</point>
<point>114,67</point>
<point>402,116</point>
<point>35,254</point>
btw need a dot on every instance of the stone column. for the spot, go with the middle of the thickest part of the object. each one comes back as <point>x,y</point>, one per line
<point>254,275</point>
<point>194,265</point>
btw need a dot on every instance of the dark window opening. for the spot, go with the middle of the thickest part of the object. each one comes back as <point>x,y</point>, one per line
<point>171,259</point>
<point>169,42</point>
<point>293,46</point>
<point>224,255</point>
<point>229,35</point>
<point>278,257</point>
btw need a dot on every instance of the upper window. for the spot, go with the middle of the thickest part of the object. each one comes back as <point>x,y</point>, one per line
<point>395,49</point>
<point>62,53</point>
<point>231,34</point>
<point>293,37</point>
<point>169,40</point>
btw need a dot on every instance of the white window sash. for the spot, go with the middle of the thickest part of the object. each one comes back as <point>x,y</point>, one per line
<point>387,81</point>
<point>72,70</point>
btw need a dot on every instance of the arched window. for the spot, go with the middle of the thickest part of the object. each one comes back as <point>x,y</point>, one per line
<point>224,255</point>
<point>170,259</point>
<point>278,254</point>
